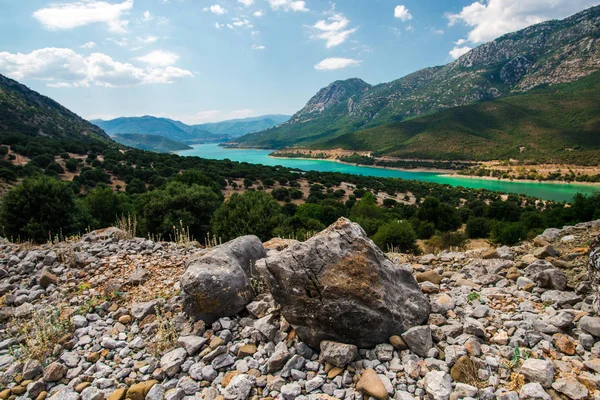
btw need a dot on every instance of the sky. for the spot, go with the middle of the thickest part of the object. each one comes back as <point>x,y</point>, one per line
<point>210,60</point>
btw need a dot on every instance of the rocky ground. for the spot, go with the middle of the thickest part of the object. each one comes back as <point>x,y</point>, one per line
<point>109,318</point>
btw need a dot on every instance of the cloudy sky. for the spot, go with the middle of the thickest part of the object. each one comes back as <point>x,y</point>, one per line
<point>209,60</point>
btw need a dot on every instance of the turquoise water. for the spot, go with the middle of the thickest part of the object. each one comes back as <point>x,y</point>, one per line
<point>549,191</point>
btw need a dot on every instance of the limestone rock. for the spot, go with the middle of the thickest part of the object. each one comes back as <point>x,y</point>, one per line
<point>217,283</point>
<point>371,385</point>
<point>339,286</point>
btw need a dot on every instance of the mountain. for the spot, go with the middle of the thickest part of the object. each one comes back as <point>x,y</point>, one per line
<point>178,131</point>
<point>545,54</point>
<point>239,127</point>
<point>556,124</point>
<point>148,125</point>
<point>25,111</point>
<point>156,143</point>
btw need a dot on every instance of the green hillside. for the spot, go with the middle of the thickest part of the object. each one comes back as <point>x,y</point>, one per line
<point>150,142</point>
<point>25,111</point>
<point>559,123</point>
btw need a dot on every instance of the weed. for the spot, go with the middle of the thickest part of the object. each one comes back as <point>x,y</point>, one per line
<point>473,296</point>
<point>166,335</point>
<point>45,330</point>
<point>128,226</point>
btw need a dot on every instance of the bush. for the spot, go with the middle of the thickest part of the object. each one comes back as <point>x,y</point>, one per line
<point>251,213</point>
<point>71,164</point>
<point>39,208</point>
<point>178,205</point>
<point>105,206</point>
<point>398,235</point>
<point>509,233</point>
<point>478,227</point>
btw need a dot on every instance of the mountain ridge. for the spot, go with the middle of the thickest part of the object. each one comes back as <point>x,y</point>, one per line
<point>552,52</point>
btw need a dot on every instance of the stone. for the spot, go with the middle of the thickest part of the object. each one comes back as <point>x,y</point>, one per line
<point>419,340</point>
<point>339,286</point>
<point>338,354</point>
<point>441,303</point>
<point>118,394</point>
<point>384,352</point>
<point>54,372</point>
<point>544,252</point>
<point>552,279</point>
<point>139,276</point>
<point>291,391</point>
<point>217,283</point>
<point>438,385</point>
<point>541,371</point>
<point>571,387</point>
<point>142,310</point>
<point>533,391</point>
<point>560,298</point>
<point>31,369</point>
<point>591,325</point>
<point>562,320</point>
<point>429,276</point>
<point>156,392</point>
<point>92,393</point>
<point>246,350</point>
<point>66,393</point>
<point>370,384</point>
<point>171,362</point>
<point>47,278</point>
<point>139,391</point>
<point>398,343</point>
<point>191,344</point>
<point>239,388</point>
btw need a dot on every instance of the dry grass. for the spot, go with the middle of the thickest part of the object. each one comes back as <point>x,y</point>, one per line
<point>166,335</point>
<point>127,224</point>
<point>42,332</point>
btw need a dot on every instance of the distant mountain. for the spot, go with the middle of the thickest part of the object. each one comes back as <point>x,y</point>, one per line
<point>544,54</point>
<point>156,143</point>
<point>190,134</point>
<point>239,127</point>
<point>24,111</point>
<point>148,125</point>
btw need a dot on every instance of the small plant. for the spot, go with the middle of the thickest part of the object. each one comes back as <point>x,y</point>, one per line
<point>211,241</point>
<point>166,335</point>
<point>517,357</point>
<point>82,287</point>
<point>46,329</point>
<point>473,296</point>
<point>181,235</point>
<point>128,226</point>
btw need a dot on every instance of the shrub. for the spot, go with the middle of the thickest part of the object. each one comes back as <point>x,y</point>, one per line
<point>71,164</point>
<point>38,208</point>
<point>251,213</point>
<point>478,227</point>
<point>398,235</point>
<point>509,233</point>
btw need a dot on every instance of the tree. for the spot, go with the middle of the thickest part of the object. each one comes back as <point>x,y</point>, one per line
<point>37,209</point>
<point>478,227</point>
<point>105,205</point>
<point>178,205</point>
<point>251,213</point>
<point>397,234</point>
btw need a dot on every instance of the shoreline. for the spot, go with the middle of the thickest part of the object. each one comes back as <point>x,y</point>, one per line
<point>445,172</point>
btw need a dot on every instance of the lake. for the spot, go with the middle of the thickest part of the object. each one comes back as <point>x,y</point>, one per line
<point>548,191</point>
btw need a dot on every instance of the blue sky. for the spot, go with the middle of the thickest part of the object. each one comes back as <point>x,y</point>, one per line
<point>210,60</point>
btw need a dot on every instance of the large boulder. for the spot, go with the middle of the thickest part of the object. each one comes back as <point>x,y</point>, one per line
<point>339,286</point>
<point>217,283</point>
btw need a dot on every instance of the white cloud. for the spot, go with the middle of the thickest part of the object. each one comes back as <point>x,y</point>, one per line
<point>246,3</point>
<point>258,47</point>
<point>333,32</point>
<point>493,18</point>
<point>147,40</point>
<point>159,58</point>
<point>336,63</point>
<point>88,45</point>
<point>148,16</point>
<point>242,23</point>
<point>123,42</point>
<point>216,9</point>
<point>61,67</point>
<point>65,16</point>
<point>459,51</point>
<point>402,13</point>
<point>218,25</point>
<point>258,13</point>
<point>288,5</point>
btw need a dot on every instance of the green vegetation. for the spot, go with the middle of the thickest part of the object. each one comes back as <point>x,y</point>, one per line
<point>560,123</point>
<point>398,236</point>
<point>150,142</point>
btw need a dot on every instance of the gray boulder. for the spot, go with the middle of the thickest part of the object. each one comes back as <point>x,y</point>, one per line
<point>593,269</point>
<point>217,283</point>
<point>339,286</point>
